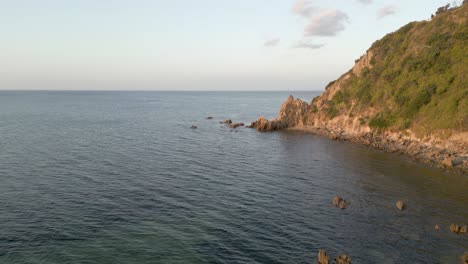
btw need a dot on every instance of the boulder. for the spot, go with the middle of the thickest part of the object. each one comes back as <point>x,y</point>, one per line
<point>455,228</point>
<point>447,163</point>
<point>264,125</point>
<point>343,259</point>
<point>400,205</point>
<point>459,229</point>
<point>227,121</point>
<point>457,161</point>
<point>340,202</point>
<point>236,125</point>
<point>464,258</point>
<point>451,162</point>
<point>464,229</point>
<point>336,200</point>
<point>322,257</point>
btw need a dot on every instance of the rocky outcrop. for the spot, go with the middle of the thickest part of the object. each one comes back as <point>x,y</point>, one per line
<point>295,114</point>
<point>345,111</point>
<point>264,125</point>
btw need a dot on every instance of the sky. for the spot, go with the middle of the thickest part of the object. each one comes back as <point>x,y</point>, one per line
<point>191,44</point>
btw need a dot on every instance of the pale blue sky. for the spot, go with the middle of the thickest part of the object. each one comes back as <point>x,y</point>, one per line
<point>191,45</point>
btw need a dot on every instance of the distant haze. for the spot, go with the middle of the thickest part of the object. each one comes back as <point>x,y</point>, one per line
<point>191,45</point>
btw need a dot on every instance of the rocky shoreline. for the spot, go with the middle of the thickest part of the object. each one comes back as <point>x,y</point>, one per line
<point>449,153</point>
<point>447,159</point>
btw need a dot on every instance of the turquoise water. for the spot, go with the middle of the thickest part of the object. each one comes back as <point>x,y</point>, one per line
<point>119,177</point>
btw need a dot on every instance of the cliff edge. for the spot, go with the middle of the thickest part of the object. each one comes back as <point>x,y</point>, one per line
<point>407,94</point>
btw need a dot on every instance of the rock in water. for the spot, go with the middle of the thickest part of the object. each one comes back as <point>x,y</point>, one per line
<point>400,205</point>
<point>336,200</point>
<point>343,259</point>
<point>322,257</point>
<point>263,125</point>
<point>459,229</point>
<point>228,121</point>
<point>236,125</point>
<point>464,258</point>
<point>209,117</point>
<point>340,202</point>
<point>455,228</point>
<point>464,229</point>
<point>193,127</point>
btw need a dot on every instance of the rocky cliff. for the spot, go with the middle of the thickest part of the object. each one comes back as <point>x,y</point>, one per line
<point>407,94</point>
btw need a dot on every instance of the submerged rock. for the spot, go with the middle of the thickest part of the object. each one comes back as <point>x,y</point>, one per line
<point>236,125</point>
<point>227,121</point>
<point>322,257</point>
<point>400,205</point>
<point>343,259</point>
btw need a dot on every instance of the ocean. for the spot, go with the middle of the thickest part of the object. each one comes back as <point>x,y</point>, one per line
<point>120,177</point>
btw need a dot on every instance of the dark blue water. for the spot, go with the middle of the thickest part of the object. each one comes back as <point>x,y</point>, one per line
<point>119,177</point>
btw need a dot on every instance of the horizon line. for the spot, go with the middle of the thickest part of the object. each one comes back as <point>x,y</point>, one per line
<point>147,90</point>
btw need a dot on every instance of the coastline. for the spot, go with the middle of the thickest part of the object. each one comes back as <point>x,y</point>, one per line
<point>435,155</point>
<point>448,152</point>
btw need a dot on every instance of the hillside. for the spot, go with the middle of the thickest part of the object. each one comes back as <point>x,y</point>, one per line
<point>409,88</point>
<point>419,71</point>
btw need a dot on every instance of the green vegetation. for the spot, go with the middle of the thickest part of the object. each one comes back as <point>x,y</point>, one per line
<point>417,77</point>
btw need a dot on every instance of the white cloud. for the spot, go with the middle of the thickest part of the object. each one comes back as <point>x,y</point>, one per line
<point>387,11</point>
<point>326,23</point>
<point>303,8</point>
<point>272,42</point>
<point>307,45</point>
<point>366,2</point>
<point>322,22</point>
